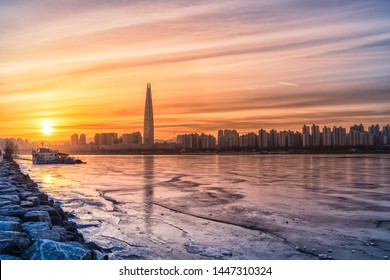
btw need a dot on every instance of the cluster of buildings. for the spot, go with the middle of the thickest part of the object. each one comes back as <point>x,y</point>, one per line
<point>196,141</point>
<point>105,141</point>
<point>309,137</point>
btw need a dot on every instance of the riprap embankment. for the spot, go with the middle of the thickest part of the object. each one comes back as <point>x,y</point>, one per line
<point>34,226</point>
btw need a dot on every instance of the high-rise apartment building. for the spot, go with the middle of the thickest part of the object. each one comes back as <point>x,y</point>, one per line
<point>106,138</point>
<point>249,140</point>
<point>195,141</point>
<point>326,136</point>
<point>339,137</point>
<point>74,140</point>
<point>83,139</point>
<point>273,139</point>
<point>133,138</point>
<point>263,139</point>
<point>315,135</point>
<point>306,136</point>
<point>228,139</point>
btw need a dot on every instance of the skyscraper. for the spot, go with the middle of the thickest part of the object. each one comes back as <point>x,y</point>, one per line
<point>148,118</point>
<point>74,140</point>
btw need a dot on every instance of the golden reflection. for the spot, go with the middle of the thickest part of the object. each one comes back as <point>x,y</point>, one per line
<point>47,179</point>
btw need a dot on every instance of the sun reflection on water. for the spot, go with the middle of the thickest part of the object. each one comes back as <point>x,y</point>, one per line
<point>47,179</point>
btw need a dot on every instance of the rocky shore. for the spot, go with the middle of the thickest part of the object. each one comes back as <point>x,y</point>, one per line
<point>33,226</point>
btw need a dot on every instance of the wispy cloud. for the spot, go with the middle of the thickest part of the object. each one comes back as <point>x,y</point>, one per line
<point>287,84</point>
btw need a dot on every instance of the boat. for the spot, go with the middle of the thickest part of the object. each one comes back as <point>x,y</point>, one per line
<point>49,156</point>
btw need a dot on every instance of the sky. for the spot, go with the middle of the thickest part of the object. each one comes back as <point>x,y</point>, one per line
<point>79,66</point>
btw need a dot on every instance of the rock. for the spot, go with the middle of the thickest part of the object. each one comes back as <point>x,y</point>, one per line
<point>27,204</point>
<point>64,234</point>
<point>330,250</point>
<point>44,222</point>
<point>8,257</point>
<point>13,242</point>
<point>32,187</point>
<point>3,181</point>
<point>55,217</point>
<point>322,256</point>
<point>10,197</point>
<point>42,196</point>
<point>10,226</point>
<point>70,226</point>
<point>6,203</point>
<point>12,210</point>
<point>45,234</point>
<point>3,184</point>
<point>41,230</point>
<point>52,250</point>
<point>24,195</point>
<point>8,190</point>
<point>10,219</point>
<point>29,226</point>
<point>37,216</point>
<point>35,200</point>
<point>67,235</point>
<point>352,251</point>
<point>49,202</point>
<point>60,212</point>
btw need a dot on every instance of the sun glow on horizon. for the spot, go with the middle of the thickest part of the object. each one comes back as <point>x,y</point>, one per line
<point>47,128</point>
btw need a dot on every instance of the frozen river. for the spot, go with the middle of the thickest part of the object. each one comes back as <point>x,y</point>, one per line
<point>227,206</point>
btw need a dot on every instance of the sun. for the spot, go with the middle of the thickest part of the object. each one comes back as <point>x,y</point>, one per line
<point>47,128</point>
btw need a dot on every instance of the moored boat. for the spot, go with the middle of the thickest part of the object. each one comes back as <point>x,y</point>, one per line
<point>49,156</point>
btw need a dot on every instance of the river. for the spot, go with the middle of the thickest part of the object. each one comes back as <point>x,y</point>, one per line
<point>227,206</point>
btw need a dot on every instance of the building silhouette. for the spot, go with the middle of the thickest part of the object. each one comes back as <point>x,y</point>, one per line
<point>82,139</point>
<point>74,140</point>
<point>106,139</point>
<point>228,139</point>
<point>194,141</point>
<point>133,138</point>
<point>148,119</point>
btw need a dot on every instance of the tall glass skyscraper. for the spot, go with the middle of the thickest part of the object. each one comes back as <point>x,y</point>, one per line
<point>148,118</point>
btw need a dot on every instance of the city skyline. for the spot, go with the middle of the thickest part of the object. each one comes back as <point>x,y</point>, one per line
<point>80,67</point>
<point>311,136</point>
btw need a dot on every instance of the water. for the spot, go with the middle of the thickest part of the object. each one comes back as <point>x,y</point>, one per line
<point>227,207</point>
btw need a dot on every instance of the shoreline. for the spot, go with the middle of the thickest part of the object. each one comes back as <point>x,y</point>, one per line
<point>33,226</point>
<point>341,151</point>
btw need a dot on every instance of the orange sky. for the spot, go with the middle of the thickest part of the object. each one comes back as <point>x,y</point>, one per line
<point>82,66</point>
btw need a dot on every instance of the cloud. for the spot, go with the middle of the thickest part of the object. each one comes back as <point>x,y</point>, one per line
<point>287,84</point>
<point>235,63</point>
